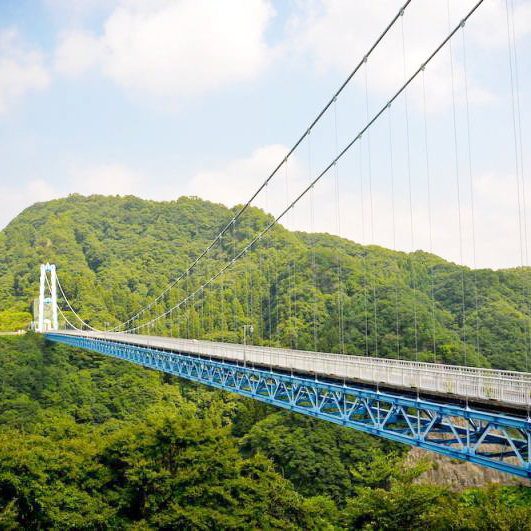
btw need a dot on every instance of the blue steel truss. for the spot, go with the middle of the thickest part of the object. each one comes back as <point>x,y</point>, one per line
<point>492,440</point>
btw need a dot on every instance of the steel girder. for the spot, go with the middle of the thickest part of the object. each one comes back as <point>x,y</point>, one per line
<point>492,440</point>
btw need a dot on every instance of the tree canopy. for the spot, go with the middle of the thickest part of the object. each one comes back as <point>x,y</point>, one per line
<point>93,443</point>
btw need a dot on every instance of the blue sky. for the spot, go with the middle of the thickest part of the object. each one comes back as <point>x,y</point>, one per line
<point>200,97</point>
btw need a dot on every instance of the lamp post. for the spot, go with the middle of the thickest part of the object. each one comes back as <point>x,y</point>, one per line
<point>251,329</point>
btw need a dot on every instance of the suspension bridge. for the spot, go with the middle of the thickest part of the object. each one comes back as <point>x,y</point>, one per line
<point>476,414</point>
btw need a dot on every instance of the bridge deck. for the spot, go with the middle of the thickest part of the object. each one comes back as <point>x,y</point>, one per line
<point>490,388</point>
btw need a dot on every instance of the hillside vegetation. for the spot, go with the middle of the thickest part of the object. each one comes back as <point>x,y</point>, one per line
<point>88,442</point>
<point>114,254</point>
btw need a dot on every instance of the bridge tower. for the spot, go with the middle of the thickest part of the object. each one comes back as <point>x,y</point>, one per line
<point>47,302</point>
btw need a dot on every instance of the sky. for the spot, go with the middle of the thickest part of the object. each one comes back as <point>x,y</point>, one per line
<point>167,98</point>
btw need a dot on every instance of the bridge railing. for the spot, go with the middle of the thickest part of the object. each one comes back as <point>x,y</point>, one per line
<point>487,384</point>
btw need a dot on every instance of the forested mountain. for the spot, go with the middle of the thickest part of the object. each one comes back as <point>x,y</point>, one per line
<point>114,254</point>
<point>88,442</point>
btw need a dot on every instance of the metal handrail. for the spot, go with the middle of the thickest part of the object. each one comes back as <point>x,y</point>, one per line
<point>472,382</point>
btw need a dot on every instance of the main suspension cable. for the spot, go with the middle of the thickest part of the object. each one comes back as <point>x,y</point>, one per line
<point>244,208</point>
<point>325,171</point>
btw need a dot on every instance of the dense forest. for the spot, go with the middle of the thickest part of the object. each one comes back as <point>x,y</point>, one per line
<point>306,291</point>
<point>93,443</point>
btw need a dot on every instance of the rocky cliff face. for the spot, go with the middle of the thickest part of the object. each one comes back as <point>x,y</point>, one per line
<point>458,474</point>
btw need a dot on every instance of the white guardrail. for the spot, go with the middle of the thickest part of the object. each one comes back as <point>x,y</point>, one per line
<point>487,384</point>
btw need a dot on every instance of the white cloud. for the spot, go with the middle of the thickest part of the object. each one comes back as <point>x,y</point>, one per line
<point>495,217</point>
<point>77,53</point>
<point>496,224</point>
<point>492,32</point>
<point>238,181</point>
<point>235,183</point>
<point>496,214</point>
<point>22,71</point>
<point>16,198</point>
<point>107,179</point>
<point>174,49</point>
<point>337,33</point>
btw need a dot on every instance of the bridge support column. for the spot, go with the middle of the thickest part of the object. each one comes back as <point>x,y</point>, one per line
<point>40,323</point>
<point>45,301</point>
<point>55,324</point>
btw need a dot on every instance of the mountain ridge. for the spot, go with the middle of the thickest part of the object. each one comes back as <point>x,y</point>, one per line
<point>115,253</point>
